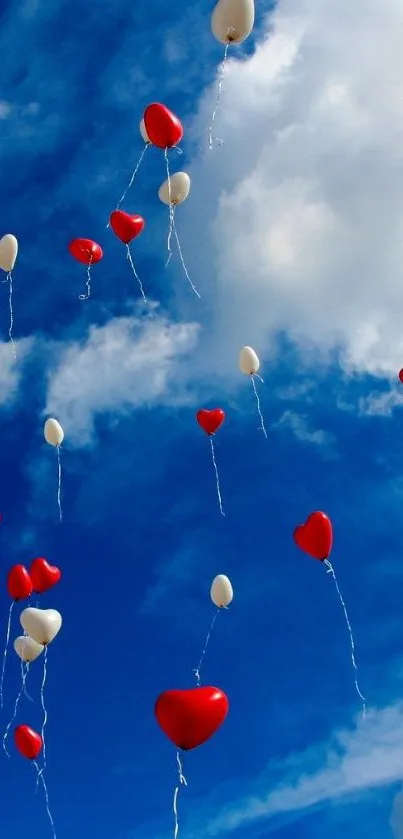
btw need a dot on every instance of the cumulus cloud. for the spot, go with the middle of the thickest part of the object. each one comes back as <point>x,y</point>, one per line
<point>126,364</point>
<point>355,762</point>
<point>304,201</point>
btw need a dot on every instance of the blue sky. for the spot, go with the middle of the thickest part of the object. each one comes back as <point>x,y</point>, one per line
<point>292,233</point>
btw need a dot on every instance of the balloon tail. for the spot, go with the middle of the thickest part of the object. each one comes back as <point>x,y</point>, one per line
<point>59,484</point>
<point>129,256</point>
<point>87,295</point>
<point>171,209</point>
<point>330,570</point>
<point>222,70</point>
<point>45,713</point>
<point>10,305</point>
<point>24,675</point>
<point>45,789</point>
<point>262,426</point>
<point>217,480</point>
<point>182,781</point>
<point>5,653</point>
<point>175,232</point>
<point>197,670</point>
<point>130,184</point>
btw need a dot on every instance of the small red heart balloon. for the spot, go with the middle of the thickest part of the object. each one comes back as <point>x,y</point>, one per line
<point>315,537</point>
<point>43,575</point>
<point>19,583</point>
<point>190,717</point>
<point>210,421</point>
<point>163,128</point>
<point>28,742</point>
<point>126,227</point>
<point>86,251</point>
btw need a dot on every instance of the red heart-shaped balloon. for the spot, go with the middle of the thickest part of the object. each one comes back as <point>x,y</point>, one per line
<point>19,583</point>
<point>86,251</point>
<point>43,575</point>
<point>126,227</point>
<point>210,421</point>
<point>190,717</point>
<point>163,128</point>
<point>28,742</point>
<point>315,537</point>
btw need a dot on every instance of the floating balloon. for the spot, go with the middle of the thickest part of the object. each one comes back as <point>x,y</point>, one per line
<point>315,537</point>
<point>54,435</point>
<point>248,361</point>
<point>8,257</point>
<point>127,228</point>
<point>210,422</point>
<point>162,127</point>
<point>401,375</point>
<point>28,742</point>
<point>221,591</point>
<point>172,192</point>
<point>175,189</point>
<point>53,432</point>
<point>43,575</point>
<point>41,624</point>
<point>19,583</point>
<point>27,649</point>
<point>232,21</point>
<point>249,365</point>
<point>89,253</point>
<point>190,717</point>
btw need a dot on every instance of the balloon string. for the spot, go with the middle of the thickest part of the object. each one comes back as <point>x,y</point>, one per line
<point>217,102</point>
<point>175,232</point>
<point>24,676</point>
<point>171,209</point>
<point>129,256</point>
<point>216,476</point>
<point>262,426</point>
<point>350,632</point>
<point>5,652</point>
<point>59,483</point>
<point>41,778</point>
<point>130,184</point>
<point>10,304</point>
<point>17,702</point>
<point>45,713</point>
<point>88,282</point>
<point>197,670</point>
<point>182,780</point>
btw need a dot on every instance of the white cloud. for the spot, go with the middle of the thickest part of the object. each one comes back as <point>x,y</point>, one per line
<point>355,762</point>
<point>127,363</point>
<point>304,201</point>
<point>11,368</point>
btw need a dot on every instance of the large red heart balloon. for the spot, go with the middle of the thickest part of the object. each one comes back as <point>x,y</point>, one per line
<point>190,717</point>
<point>43,575</point>
<point>19,583</point>
<point>163,128</point>
<point>86,251</point>
<point>28,742</point>
<point>210,421</point>
<point>126,227</point>
<point>315,537</point>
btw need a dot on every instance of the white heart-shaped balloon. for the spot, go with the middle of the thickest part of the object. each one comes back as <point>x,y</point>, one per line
<point>175,190</point>
<point>41,624</point>
<point>27,649</point>
<point>8,252</point>
<point>53,432</point>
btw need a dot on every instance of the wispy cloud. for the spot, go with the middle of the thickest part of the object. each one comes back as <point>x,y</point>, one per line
<point>354,762</point>
<point>11,369</point>
<point>299,426</point>
<point>381,403</point>
<point>127,363</point>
